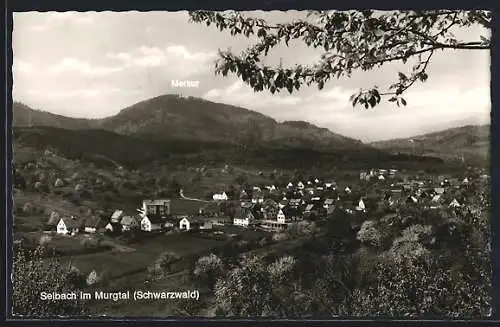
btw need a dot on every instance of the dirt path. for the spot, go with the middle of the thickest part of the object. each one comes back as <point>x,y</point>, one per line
<point>181,194</point>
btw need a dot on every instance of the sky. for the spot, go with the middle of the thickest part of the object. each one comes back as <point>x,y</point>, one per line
<point>93,64</point>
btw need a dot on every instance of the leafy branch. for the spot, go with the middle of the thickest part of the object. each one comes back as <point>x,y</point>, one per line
<point>350,41</point>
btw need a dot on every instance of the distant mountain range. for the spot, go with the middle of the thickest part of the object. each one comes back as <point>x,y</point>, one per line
<point>471,142</point>
<point>172,118</point>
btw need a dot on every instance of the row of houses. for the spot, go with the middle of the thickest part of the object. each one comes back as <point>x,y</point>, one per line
<point>276,211</point>
<point>153,216</point>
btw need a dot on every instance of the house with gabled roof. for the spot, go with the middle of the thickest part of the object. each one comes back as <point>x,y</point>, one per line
<point>130,222</point>
<point>309,208</point>
<point>220,196</point>
<point>300,185</point>
<point>439,190</point>
<point>454,204</point>
<point>361,205</point>
<point>159,207</point>
<point>117,216</point>
<point>314,210</point>
<point>91,224</point>
<point>412,199</point>
<point>244,217</point>
<point>257,196</point>
<point>329,202</point>
<point>69,226</point>
<point>330,184</point>
<point>270,209</point>
<point>152,223</point>
<point>185,224</point>
<point>280,217</point>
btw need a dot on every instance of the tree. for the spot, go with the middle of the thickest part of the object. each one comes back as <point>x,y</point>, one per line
<point>208,269</point>
<point>254,289</point>
<point>422,288</point>
<point>411,244</point>
<point>351,41</point>
<point>31,275</point>
<point>369,234</point>
<point>162,266</point>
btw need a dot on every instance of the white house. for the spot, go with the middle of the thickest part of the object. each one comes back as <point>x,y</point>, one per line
<point>309,183</point>
<point>244,217</point>
<point>361,205</point>
<point>184,224</point>
<point>300,185</point>
<point>412,199</point>
<point>220,197</point>
<point>290,185</point>
<point>109,227</point>
<point>347,189</point>
<point>465,181</point>
<point>316,181</point>
<point>281,216</point>
<point>381,178</point>
<point>151,224</point>
<point>436,198</point>
<point>117,216</point>
<point>61,227</point>
<point>160,207</point>
<point>454,204</point>
<point>68,226</point>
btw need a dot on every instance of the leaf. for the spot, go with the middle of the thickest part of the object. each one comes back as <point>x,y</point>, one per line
<point>276,75</point>
<point>402,76</point>
<point>355,101</point>
<point>321,84</point>
<point>372,101</point>
<point>393,99</point>
<point>403,101</point>
<point>261,32</point>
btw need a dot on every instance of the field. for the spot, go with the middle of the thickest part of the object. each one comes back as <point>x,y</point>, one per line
<point>124,263</point>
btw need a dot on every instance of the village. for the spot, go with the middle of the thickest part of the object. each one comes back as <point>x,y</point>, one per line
<point>273,208</point>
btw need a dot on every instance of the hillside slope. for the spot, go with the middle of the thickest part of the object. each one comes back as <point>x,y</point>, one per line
<point>171,117</point>
<point>24,116</point>
<point>175,117</point>
<point>471,142</point>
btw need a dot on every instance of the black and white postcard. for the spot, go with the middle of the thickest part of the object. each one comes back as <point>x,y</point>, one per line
<point>276,164</point>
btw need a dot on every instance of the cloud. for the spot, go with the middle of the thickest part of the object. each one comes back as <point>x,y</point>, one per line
<point>74,65</point>
<point>22,66</point>
<point>80,93</point>
<point>239,93</point>
<point>174,58</point>
<point>56,19</point>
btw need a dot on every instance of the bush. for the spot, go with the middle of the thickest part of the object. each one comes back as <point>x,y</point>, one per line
<point>31,274</point>
<point>369,234</point>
